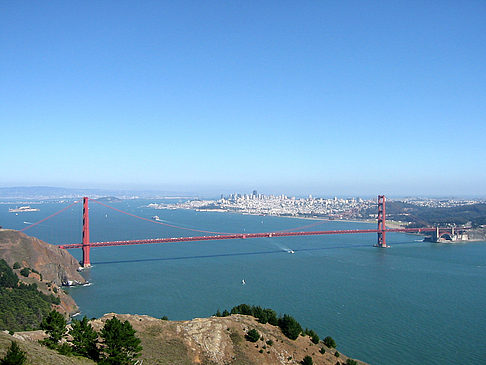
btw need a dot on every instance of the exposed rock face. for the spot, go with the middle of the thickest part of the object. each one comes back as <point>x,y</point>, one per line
<point>55,264</point>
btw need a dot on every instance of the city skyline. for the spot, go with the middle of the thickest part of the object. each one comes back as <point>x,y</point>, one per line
<point>297,98</point>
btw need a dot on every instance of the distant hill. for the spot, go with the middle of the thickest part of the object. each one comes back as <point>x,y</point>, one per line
<point>49,192</point>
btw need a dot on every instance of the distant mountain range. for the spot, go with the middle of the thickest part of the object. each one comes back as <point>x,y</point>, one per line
<point>49,192</point>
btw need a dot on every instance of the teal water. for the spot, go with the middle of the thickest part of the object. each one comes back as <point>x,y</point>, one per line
<point>415,303</point>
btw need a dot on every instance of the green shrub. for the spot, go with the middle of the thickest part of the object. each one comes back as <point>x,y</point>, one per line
<point>322,350</point>
<point>252,335</point>
<point>14,356</point>
<point>16,265</point>
<point>329,342</point>
<point>269,342</point>
<point>307,360</point>
<point>351,362</point>
<point>164,318</point>
<point>337,354</point>
<point>261,351</point>
<point>25,272</point>
<point>289,326</point>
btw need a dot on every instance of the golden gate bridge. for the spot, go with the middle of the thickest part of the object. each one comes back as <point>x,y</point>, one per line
<point>86,245</point>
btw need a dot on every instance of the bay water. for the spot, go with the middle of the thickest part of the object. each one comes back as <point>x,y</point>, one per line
<point>414,303</point>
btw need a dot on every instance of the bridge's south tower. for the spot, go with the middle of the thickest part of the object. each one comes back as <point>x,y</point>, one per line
<point>86,246</point>
<point>381,222</point>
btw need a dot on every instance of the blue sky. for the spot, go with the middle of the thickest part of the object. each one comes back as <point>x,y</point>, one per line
<point>320,97</point>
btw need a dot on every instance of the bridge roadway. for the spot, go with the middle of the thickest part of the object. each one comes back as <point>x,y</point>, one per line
<point>241,236</point>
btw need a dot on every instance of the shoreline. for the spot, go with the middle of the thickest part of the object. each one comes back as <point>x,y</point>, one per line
<point>390,223</point>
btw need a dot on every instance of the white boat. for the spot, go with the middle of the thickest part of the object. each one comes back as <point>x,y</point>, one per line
<point>156,218</point>
<point>243,282</point>
<point>291,251</point>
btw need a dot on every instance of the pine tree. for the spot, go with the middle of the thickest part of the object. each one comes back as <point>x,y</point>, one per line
<point>14,356</point>
<point>85,339</point>
<point>55,326</point>
<point>121,346</point>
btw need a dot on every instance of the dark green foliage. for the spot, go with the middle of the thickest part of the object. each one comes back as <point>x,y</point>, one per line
<point>65,349</point>
<point>164,318</point>
<point>121,346</point>
<point>252,335</point>
<point>218,313</point>
<point>55,326</point>
<point>226,313</point>
<point>270,343</point>
<point>314,336</point>
<point>264,315</point>
<point>322,350</point>
<point>329,342</point>
<point>85,339</point>
<point>25,272</point>
<point>16,265</point>
<point>14,356</point>
<point>261,351</point>
<point>22,306</point>
<point>351,362</point>
<point>8,279</point>
<point>289,326</point>
<point>337,354</point>
<point>307,361</point>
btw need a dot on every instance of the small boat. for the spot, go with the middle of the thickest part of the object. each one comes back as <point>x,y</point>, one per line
<point>156,218</point>
<point>290,251</point>
<point>243,282</point>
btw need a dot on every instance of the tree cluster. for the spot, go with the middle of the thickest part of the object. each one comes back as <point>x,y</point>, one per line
<point>22,306</point>
<point>289,325</point>
<point>115,344</point>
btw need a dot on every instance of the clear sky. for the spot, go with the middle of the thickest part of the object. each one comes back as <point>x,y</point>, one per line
<point>298,97</point>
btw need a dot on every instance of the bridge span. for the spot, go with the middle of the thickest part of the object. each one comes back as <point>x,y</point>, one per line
<point>86,245</point>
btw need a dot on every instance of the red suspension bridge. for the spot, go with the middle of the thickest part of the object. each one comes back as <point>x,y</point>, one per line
<point>86,245</point>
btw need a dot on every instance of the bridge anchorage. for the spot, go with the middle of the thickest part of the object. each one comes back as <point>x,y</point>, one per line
<point>381,231</point>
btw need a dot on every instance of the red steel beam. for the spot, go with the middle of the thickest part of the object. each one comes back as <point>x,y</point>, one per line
<point>241,236</point>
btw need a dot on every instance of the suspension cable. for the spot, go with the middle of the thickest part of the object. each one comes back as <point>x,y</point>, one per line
<point>52,215</point>
<point>161,223</point>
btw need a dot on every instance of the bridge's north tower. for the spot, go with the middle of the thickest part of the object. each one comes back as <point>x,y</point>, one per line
<point>381,222</point>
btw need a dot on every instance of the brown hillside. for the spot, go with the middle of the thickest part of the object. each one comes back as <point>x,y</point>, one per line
<point>55,264</point>
<point>209,341</point>
<point>219,340</point>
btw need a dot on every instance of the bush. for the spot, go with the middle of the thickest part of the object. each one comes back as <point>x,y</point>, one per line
<point>164,318</point>
<point>337,354</point>
<point>25,272</point>
<point>269,342</point>
<point>14,356</point>
<point>307,360</point>
<point>322,350</point>
<point>351,362</point>
<point>289,326</point>
<point>314,337</point>
<point>252,335</point>
<point>261,351</point>
<point>329,342</point>
<point>16,265</point>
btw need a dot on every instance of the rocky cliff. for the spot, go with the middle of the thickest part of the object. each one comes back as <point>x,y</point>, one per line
<point>55,264</point>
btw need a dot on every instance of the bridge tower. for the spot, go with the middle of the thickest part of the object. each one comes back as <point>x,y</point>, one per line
<point>381,222</point>
<point>86,246</point>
